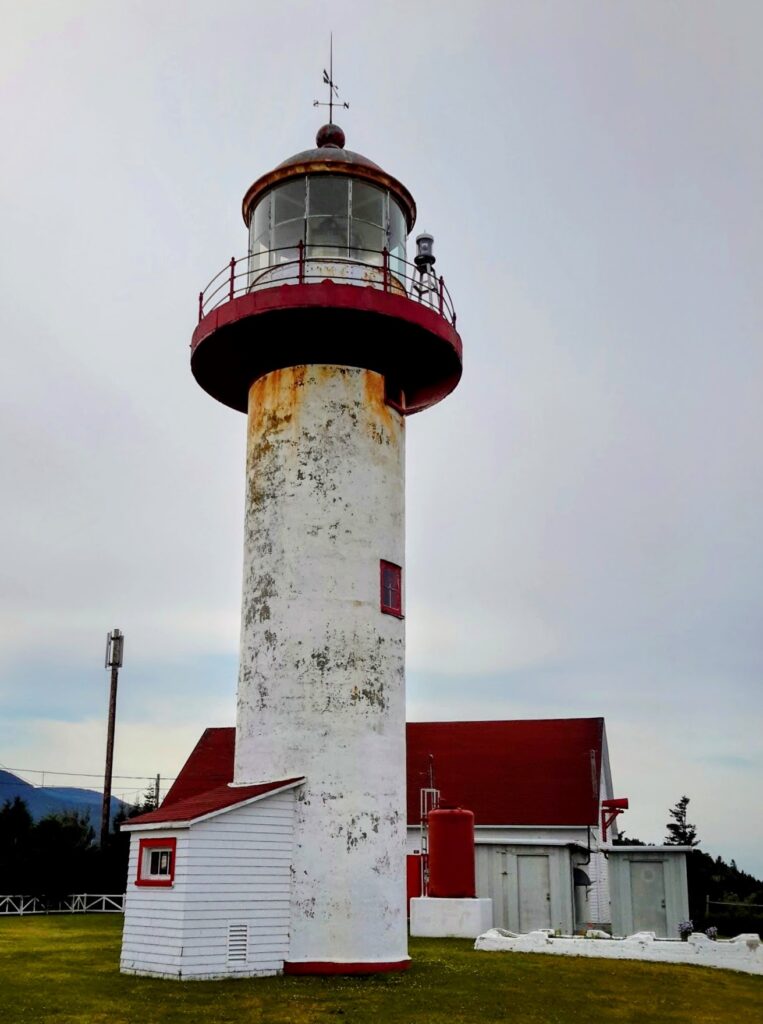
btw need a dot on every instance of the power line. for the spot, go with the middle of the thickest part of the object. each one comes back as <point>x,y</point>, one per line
<point>82,775</point>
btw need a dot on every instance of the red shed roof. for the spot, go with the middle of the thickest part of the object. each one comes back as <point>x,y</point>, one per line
<point>537,772</point>
<point>543,772</point>
<point>218,799</point>
<point>210,764</point>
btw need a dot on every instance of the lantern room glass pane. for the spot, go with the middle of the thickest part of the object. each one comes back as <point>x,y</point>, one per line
<point>327,223</point>
<point>289,234</point>
<point>327,237</point>
<point>259,258</point>
<point>289,201</point>
<point>367,242</point>
<point>261,219</point>
<point>328,196</point>
<point>396,240</point>
<point>368,203</point>
<point>397,232</point>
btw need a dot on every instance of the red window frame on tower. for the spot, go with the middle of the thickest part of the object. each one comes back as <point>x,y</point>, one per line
<point>391,588</point>
<point>151,850</point>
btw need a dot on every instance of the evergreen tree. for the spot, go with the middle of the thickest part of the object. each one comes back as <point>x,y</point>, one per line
<point>624,840</point>
<point>16,830</point>
<point>64,854</point>
<point>680,832</point>
<point>112,865</point>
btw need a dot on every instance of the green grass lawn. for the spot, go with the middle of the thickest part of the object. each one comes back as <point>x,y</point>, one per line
<point>66,969</point>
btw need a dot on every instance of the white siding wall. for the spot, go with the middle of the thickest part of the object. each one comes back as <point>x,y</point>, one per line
<point>533,834</point>
<point>597,906</point>
<point>239,869</point>
<point>235,870</point>
<point>499,869</point>
<point>514,834</point>
<point>152,939</point>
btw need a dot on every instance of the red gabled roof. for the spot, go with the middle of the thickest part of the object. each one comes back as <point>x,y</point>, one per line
<point>542,772</point>
<point>209,764</point>
<point>197,806</point>
<point>538,772</point>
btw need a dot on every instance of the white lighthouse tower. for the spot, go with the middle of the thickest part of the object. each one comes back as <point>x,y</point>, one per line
<point>327,338</point>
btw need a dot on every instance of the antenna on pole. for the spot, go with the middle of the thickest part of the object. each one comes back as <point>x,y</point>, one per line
<point>115,644</point>
<point>328,79</point>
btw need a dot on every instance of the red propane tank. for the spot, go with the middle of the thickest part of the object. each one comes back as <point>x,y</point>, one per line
<point>451,853</point>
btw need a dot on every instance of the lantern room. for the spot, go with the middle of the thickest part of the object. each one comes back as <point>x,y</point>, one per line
<point>326,279</point>
<point>335,203</point>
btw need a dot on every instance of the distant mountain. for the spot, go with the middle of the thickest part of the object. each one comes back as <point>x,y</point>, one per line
<point>44,800</point>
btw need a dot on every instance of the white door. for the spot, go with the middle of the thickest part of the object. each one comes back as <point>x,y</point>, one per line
<point>648,897</point>
<point>534,882</point>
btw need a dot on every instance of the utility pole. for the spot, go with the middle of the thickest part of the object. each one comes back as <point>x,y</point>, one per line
<point>157,783</point>
<point>115,643</point>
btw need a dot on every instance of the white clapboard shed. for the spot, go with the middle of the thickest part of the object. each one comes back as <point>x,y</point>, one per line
<point>649,889</point>
<point>209,880</point>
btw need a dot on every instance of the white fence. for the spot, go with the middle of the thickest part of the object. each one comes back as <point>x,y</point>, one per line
<point>79,903</point>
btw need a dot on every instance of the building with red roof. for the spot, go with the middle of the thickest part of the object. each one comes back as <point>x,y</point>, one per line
<point>535,788</point>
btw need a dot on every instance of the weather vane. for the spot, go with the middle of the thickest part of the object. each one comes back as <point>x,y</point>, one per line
<point>328,78</point>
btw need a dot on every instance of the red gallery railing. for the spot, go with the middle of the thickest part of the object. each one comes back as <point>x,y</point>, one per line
<point>310,264</point>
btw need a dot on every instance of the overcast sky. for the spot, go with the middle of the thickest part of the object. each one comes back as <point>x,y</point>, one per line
<point>584,514</point>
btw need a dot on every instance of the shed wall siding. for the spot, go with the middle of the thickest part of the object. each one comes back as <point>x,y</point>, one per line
<point>235,869</point>
<point>514,834</point>
<point>498,878</point>
<point>598,902</point>
<point>676,901</point>
<point>240,873</point>
<point>152,939</point>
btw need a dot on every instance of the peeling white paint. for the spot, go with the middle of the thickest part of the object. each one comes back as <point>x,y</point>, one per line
<point>322,674</point>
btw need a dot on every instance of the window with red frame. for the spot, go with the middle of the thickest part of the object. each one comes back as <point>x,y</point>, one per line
<point>391,588</point>
<point>156,862</point>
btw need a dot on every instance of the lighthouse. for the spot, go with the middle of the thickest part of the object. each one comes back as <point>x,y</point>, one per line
<point>327,338</point>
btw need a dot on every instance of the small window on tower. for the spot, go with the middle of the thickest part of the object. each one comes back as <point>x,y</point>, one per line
<point>156,862</point>
<point>391,589</point>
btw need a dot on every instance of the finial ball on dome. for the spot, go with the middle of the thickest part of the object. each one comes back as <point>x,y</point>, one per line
<point>330,135</point>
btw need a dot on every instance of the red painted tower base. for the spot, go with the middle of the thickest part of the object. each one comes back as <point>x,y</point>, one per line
<point>332,967</point>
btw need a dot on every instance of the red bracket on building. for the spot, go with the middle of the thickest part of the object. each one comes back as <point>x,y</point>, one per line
<point>609,811</point>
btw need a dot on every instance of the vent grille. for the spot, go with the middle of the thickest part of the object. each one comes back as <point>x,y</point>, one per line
<point>238,941</point>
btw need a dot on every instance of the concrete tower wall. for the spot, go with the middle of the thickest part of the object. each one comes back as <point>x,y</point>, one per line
<point>322,676</point>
